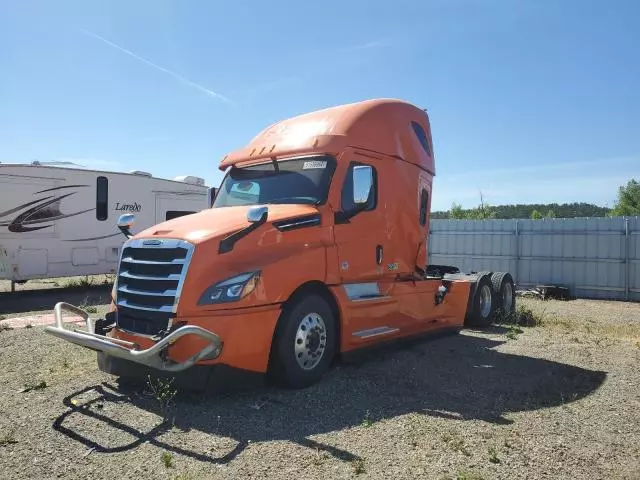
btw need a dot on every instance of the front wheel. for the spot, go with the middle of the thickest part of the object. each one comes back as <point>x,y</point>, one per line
<point>304,344</point>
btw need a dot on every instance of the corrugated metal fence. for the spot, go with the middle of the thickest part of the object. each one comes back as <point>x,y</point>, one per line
<point>594,257</point>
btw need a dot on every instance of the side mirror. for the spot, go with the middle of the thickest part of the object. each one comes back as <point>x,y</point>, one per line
<point>362,183</point>
<point>257,214</point>
<point>125,222</point>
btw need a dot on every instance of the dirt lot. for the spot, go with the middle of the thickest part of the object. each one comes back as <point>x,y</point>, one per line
<point>559,400</point>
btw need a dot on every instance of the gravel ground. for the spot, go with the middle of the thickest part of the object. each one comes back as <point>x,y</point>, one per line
<point>560,400</point>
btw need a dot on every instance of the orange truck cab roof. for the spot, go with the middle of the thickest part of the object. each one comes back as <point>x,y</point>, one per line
<point>377,125</point>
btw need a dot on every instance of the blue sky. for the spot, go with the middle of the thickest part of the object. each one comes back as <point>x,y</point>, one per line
<point>529,100</point>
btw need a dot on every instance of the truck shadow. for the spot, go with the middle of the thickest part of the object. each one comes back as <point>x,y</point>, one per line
<point>460,377</point>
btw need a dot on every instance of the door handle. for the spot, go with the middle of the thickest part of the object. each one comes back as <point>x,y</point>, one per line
<point>379,254</point>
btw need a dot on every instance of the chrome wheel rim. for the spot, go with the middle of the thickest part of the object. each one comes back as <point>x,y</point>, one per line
<point>311,341</point>
<point>507,297</point>
<point>485,300</point>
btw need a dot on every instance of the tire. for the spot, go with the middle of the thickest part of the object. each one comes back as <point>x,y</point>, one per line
<point>504,287</point>
<point>304,344</point>
<point>482,307</point>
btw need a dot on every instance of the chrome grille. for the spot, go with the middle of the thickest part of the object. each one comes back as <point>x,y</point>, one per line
<point>150,277</point>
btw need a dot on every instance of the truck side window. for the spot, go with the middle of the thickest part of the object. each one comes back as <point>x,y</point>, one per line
<point>424,202</point>
<point>347,190</point>
<point>422,137</point>
<point>102,198</point>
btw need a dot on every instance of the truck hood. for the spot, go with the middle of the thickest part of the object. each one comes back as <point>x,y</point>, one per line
<point>218,222</point>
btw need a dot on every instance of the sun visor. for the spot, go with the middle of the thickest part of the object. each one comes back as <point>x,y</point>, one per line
<point>284,147</point>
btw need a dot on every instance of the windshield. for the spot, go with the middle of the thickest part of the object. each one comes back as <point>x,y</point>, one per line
<point>300,180</point>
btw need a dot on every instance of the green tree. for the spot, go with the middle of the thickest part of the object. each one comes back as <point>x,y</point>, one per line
<point>482,211</point>
<point>536,215</point>
<point>628,203</point>
<point>550,214</point>
<point>564,210</point>
<point>457,212</point>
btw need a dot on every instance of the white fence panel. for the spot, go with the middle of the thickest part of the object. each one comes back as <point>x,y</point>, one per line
<point>593,257</point>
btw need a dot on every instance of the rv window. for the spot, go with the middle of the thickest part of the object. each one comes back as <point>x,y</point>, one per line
<point>422,137</point>
<point>171,214</point>
<point>102,198</point>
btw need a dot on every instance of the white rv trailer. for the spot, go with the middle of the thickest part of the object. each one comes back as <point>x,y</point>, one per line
<point>58,221</point>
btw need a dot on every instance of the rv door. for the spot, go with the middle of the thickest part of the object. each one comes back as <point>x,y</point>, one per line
<point>5,264</point>
<point>169,206</point>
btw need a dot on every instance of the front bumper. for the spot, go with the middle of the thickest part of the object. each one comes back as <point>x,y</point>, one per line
<point>152,357</point>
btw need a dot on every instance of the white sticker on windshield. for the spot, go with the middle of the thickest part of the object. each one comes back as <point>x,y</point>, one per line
<point>314,164</point>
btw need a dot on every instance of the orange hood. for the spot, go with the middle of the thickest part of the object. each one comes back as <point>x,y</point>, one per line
<point>218,222</point>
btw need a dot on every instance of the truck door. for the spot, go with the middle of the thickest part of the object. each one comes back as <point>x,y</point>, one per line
<point>360,238</point>
<point>366,264</point>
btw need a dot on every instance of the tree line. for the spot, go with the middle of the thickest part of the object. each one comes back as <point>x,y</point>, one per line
<point>627,204</point>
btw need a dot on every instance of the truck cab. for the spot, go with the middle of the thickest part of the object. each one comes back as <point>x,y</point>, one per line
<point>315,245</point>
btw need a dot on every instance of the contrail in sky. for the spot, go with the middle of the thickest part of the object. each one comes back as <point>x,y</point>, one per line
<point>184,80</point>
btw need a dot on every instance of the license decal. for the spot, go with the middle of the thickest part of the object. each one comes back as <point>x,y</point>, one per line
<point>314,164</point>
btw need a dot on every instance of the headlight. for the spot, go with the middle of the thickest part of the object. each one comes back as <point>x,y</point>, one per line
<point>231,289</point>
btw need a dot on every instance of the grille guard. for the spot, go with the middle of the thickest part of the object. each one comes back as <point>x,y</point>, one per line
<point>128,350</point>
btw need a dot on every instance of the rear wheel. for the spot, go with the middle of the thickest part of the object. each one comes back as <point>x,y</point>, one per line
<point>482,307</point>
<point>504,287</point>
<point>304,344</point>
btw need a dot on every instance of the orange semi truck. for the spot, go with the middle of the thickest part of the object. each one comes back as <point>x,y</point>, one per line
<point>315,246</point>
